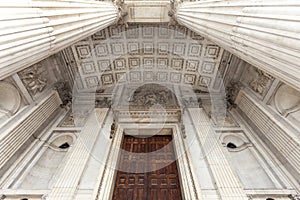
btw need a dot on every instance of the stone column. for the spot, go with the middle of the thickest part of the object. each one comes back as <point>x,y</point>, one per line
<point>66,185</point>
<point>32,30</point>
<point>264,33</point>
<point>227,183</point>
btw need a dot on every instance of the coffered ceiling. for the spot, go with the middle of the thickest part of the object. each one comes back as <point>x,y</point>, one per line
<point>145,53</point>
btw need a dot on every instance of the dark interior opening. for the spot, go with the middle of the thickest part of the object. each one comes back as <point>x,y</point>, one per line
<point>64,146</point>
<point>231,145</point>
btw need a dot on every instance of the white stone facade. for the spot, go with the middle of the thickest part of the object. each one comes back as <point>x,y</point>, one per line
<point>222,78</point>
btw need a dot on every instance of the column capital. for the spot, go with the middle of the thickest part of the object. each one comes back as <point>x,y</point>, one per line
<point>174,4</point>
<point>122,12</point>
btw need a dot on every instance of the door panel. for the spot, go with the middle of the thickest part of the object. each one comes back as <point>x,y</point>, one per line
<point>147,170</point>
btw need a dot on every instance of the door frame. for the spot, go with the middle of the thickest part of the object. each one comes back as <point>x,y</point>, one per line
<point>189,185</point>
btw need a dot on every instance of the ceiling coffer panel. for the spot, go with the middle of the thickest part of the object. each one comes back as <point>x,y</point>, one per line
<point>146,53</point>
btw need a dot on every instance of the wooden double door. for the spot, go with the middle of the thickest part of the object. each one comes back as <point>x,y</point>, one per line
<point>147,170</point>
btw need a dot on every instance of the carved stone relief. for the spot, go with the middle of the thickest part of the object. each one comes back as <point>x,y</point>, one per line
<point>261,82</point>
<point>231,93</point>
<point>10,99</point>
<point>33,79</point>
<point>151,94</point>
<point>103,102</point>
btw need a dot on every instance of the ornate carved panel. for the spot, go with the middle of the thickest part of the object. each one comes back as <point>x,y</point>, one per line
<point>34,78</point>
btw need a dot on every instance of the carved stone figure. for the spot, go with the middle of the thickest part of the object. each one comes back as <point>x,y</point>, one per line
<point>151,94</point>
<point>231,93</point>
<point>33,79</point>
<point>261,82</point>
<point>64,92</point>
<point>123,13</point>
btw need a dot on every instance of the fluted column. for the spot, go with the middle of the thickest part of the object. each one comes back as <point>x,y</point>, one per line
<point>265,33</point>
<point>32,30</point>
<point>228,184</point>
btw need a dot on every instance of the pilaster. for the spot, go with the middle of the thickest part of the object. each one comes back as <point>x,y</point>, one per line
<point>66,185</point>
<point>228,185</point>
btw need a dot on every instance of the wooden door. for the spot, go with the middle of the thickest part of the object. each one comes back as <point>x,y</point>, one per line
<point>147,170</point>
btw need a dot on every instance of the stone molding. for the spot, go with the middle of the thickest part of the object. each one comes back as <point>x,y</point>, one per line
<point>190,188</point>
